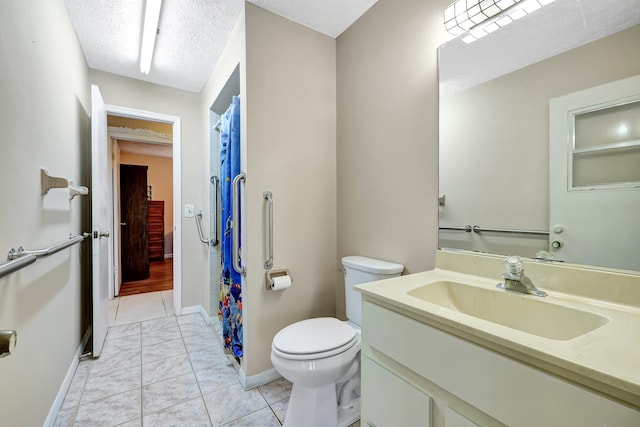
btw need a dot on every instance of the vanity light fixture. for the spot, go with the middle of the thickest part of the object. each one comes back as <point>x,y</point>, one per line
<point>149,32</point>
<point>477,18</point>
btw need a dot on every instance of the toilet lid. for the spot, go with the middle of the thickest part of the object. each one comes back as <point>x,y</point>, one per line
<point>314,336</point>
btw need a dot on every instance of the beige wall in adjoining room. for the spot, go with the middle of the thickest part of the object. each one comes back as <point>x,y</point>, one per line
<point>126,92</point>
<point>387,138</point>
<point>160,178</point>
<point>44,116</point>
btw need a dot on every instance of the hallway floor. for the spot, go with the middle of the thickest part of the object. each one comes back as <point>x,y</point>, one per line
<point>157,369</point>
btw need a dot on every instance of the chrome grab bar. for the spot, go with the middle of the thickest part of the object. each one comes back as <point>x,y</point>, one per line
<point>268,264</point>
<point>466,228</point>
<point>478,229</point>
<point>215,181</point>
<point>16,264</point>
<point>41,253</point>
<point>18,259</point>
<point>235,223</point>
<point>201,235</point>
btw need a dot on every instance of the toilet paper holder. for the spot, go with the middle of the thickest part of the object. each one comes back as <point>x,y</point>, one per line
<point>275,273</point>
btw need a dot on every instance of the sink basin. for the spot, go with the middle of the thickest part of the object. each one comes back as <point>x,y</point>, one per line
<point>525,313</point>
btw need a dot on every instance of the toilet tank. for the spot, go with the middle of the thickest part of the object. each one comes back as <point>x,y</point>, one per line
<point>359,269</point>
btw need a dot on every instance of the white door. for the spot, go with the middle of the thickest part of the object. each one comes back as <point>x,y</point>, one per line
<point>594,219</point>
<point>100,219</point>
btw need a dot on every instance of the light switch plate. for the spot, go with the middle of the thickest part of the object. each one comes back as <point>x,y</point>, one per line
<point>188,211</point>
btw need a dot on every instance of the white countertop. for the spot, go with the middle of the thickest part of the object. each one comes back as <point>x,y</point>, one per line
<point>606,359</point>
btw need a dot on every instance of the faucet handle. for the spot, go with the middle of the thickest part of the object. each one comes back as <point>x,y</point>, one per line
<point>514,264</point>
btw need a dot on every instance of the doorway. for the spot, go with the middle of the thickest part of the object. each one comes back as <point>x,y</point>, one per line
<point>154,140</point>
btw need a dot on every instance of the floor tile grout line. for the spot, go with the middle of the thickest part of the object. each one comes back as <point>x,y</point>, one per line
<point>105,398</point>
<point>141,387</point>
<point>270,404</point>
<point>202,394</point>
<point>192,371</point>
<point>275,415</point>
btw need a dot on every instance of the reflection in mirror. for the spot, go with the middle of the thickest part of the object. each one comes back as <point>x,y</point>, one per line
<point>494,123</point>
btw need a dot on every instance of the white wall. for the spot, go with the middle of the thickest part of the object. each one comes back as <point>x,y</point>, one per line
<point>131,93</point>
<point>44,117</point>
<point>387,77</point>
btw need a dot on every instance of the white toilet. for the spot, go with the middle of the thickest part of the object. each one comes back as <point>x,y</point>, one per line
<point>321,356</point>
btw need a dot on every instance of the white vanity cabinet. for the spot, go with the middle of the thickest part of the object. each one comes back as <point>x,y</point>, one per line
<point>414,374</point>
<point>391,400</point>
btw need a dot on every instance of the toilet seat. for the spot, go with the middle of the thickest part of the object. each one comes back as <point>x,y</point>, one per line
<point>314,339</point>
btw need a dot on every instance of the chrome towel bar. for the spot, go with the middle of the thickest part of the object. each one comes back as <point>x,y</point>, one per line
<point>20,258</point>
<point>235,236</point>
<point>478,229</point>
<point>268,264</point>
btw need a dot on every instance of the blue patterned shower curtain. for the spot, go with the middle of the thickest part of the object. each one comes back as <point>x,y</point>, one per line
<point>230,301</point>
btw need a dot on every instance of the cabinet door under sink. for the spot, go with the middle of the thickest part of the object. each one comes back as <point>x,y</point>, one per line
<point>453,419</point>
<point>397,403</point>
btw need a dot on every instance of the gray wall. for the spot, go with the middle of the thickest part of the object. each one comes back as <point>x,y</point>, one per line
<point>387,152</point>
<point>288,131</point>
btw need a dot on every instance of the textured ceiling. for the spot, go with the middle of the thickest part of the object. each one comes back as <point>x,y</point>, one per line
<point>192,33</point>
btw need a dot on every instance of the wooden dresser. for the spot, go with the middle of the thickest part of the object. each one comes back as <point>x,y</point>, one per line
<point>155,224</point>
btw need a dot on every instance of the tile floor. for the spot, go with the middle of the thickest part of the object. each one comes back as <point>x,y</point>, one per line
<point>157,369</point>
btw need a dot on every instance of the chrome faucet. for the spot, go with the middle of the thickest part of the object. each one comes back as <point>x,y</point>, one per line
<point>515,280</point>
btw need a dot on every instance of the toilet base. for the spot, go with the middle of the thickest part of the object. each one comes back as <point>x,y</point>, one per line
<point>350,414</point>
<point>312,407</point>
<point>318,407</point>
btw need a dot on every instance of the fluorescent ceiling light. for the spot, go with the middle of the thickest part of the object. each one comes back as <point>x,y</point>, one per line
<point>149,31</point>
<point>477,18</point>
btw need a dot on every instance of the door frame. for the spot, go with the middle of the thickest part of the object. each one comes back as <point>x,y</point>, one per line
<point>175,121</point>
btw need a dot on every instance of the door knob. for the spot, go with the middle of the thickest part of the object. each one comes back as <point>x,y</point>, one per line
<point>123,223</point>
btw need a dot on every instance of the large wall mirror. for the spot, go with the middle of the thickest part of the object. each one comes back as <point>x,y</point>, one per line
<point>496,131</point>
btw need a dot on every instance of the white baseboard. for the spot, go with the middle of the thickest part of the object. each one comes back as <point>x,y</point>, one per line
<point>197,309</point>
<point>62,392</point>
<point>259,379</point>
